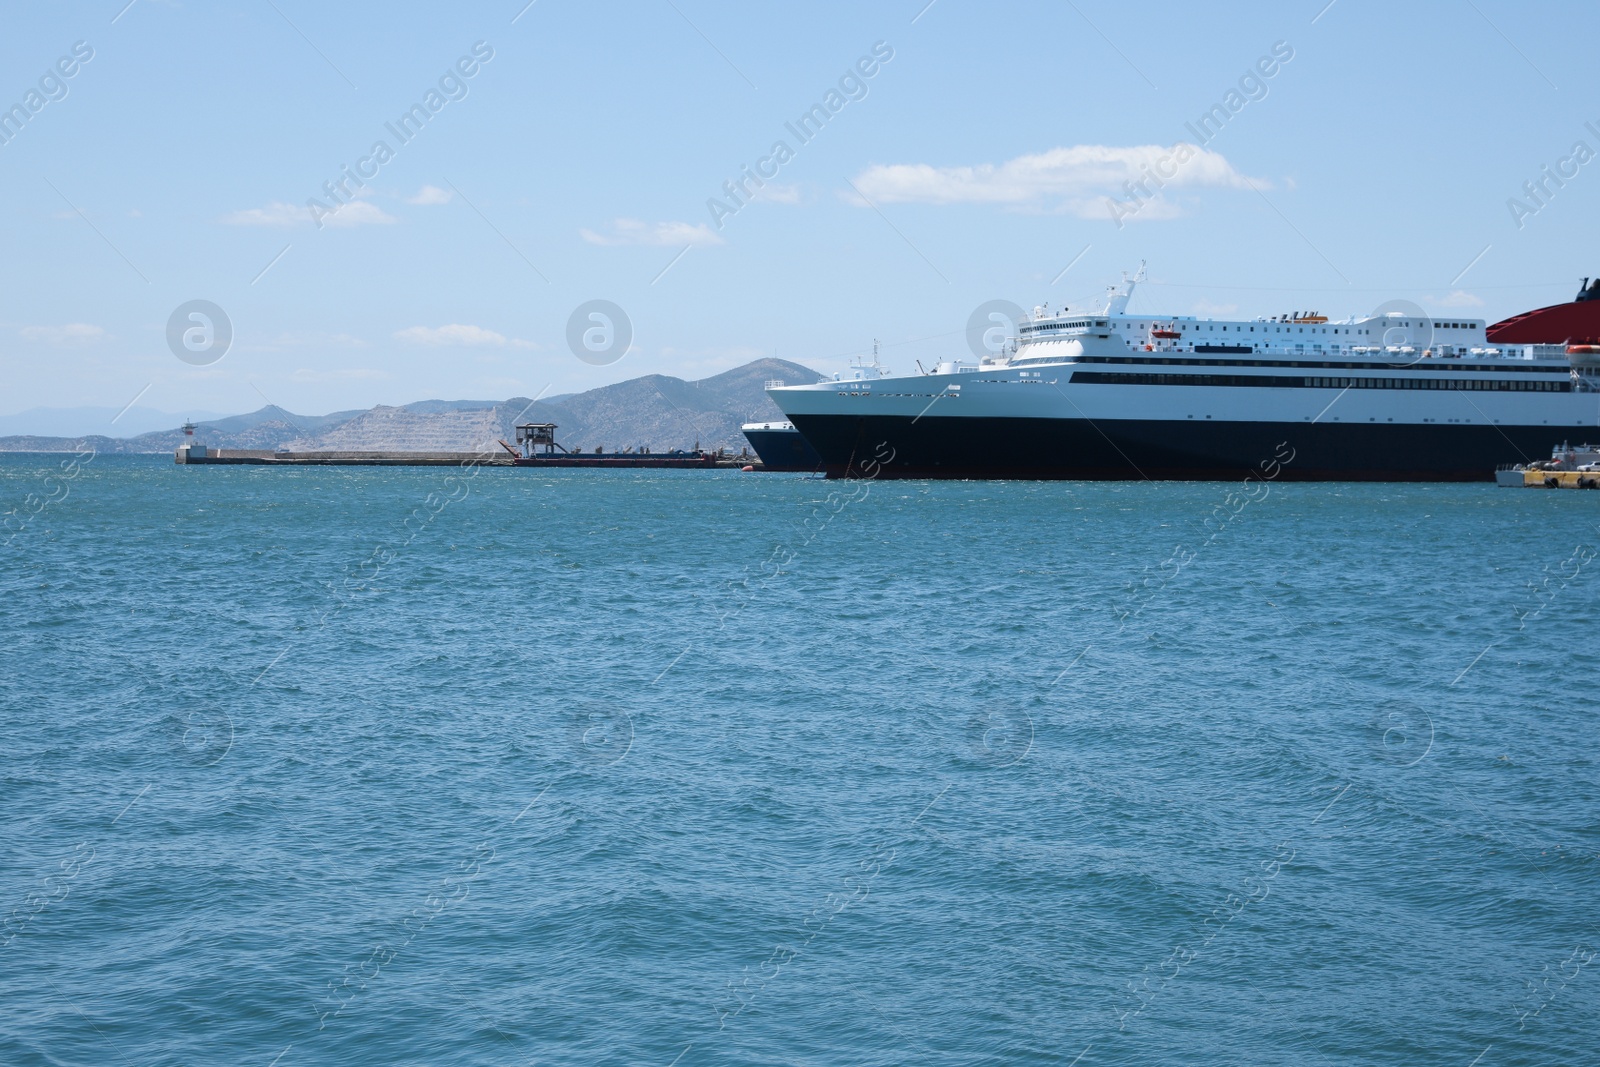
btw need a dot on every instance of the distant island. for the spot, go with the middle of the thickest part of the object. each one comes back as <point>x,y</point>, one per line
<point>656,411</point>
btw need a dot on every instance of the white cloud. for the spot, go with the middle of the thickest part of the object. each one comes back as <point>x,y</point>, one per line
<point>458,335</point>
<point>430,195</point>
<point>1075,179</point>
<point>358,213</point>
<point>73,333</point>
<point>1208,309</point>
<point>634,232</point>
<point>1458,298</point>
<point>276,213</point>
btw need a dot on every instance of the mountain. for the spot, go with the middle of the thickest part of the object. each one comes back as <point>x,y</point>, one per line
<point>656,411</point>
<point>273,416</point>
<point>664,412</point>
<point>386,429</point>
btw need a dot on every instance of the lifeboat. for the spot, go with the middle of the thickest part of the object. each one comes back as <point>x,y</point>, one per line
<point>1166,335</point>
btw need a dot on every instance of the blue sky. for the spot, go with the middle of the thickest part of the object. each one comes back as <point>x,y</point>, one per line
<point>977,162</point>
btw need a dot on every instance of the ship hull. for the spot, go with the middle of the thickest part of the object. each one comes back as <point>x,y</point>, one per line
<point>783,450</point>
<point>1066,448</point>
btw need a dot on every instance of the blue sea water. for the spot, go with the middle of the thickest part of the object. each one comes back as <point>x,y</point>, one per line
<point>429,766</point>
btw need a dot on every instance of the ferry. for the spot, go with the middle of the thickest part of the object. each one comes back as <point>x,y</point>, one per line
<point>1108,394</point>
<point>781,446</point>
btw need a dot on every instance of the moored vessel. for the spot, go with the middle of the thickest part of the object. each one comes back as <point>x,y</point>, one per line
<point>1575,323</point>
<point>1569,467</point>
<point>1395,395</point>
<point>781,446</point>
<point>537,447</point>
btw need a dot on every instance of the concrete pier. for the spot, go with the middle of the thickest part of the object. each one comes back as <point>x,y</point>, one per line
<point>243,456</point>
<point>205,454</point>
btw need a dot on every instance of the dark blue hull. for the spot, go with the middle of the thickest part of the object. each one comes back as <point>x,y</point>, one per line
<point>1163,449</point>
<point>784,450</point>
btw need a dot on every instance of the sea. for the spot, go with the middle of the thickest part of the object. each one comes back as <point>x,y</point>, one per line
<point>479,765</point>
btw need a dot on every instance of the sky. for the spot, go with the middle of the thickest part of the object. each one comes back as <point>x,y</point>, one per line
<point>933,157</point>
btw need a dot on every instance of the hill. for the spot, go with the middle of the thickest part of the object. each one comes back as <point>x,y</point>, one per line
<point>657,411</point>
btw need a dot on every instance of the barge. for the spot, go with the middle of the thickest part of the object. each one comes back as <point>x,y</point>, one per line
<point>1567,468</point>
<point>537,447</point>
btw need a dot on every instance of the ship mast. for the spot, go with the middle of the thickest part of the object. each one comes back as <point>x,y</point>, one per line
<point>1117,297</point>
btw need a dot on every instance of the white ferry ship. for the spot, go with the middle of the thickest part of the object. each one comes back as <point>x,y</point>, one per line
<point>1109,394</point>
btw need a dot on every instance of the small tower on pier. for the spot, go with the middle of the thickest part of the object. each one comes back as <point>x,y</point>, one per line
<point>536,437</point>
